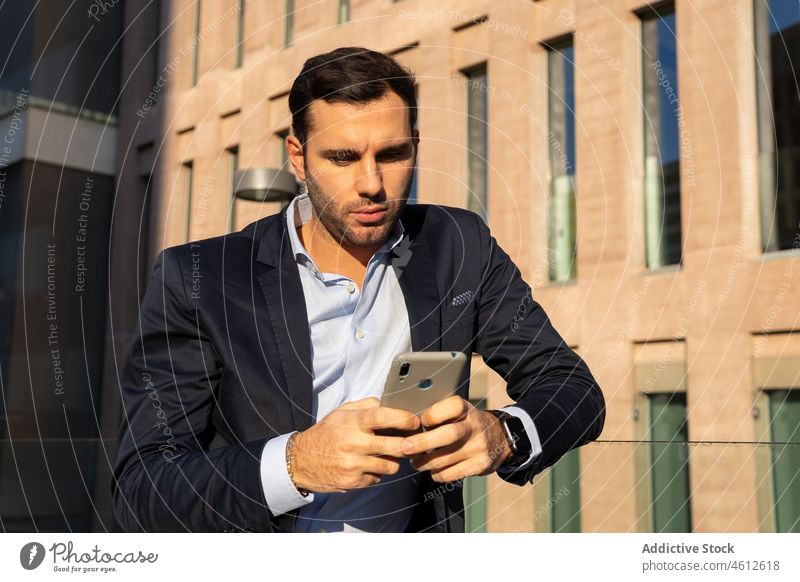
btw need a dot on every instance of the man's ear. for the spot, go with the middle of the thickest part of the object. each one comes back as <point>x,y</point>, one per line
<point>415,136</point>
<point>296,156</point>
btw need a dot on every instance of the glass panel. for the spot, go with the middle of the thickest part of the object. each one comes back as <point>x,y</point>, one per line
<point>662,152</point>
<point>477,141</point>
<point>565,486</point>
<point>785,428</point>
<point>669,461</point>
<point>777,42</point>
<point>561,119</point>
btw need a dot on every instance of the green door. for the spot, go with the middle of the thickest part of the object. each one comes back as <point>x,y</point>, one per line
<point>784,416</point>
<point>669,469</point>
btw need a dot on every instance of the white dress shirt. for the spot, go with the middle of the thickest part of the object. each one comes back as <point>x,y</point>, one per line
<point>355,334</point>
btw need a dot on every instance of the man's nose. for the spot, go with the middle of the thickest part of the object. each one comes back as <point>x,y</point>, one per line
<point>370,180</point>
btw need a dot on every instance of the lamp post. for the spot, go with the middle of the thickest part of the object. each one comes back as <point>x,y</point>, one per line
<point>265,185</point>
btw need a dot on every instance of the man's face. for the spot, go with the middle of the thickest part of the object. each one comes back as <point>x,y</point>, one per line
<point>358,166</point>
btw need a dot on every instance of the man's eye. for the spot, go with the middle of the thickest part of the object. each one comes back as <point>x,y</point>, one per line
<point>394,156</point>
<point>340,160</point>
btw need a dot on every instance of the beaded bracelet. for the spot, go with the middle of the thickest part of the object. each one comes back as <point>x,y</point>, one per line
<point>289,444</point>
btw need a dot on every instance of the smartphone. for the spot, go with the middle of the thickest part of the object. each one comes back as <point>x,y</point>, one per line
<point>418,380</point>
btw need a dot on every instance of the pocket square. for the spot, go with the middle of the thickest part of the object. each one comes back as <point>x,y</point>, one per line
<point>461,298</point>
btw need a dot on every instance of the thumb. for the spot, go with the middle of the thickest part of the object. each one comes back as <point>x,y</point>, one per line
<point>371,402</point>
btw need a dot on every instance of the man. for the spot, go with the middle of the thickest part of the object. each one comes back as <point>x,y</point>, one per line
<point>251,393</point>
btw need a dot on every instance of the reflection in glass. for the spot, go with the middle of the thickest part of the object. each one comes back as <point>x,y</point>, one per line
<point>777,42</point>
<point>561,140</point>
<point>661,142</point>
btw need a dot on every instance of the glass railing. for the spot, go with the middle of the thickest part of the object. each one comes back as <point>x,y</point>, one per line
<point>609,486</point>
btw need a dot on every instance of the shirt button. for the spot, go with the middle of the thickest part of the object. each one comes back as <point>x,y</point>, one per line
<point>351,288</point>
<point>360,333</point>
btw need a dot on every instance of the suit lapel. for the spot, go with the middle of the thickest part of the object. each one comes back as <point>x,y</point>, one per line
<point>283,295</point>
<point>413,265</point>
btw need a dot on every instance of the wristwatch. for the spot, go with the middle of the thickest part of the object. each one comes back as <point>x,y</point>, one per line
<point>517,438</point>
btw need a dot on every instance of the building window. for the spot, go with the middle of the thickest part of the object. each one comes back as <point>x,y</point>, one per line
<point>662,115</point>
<point>233,167</point>
<point>669,463</point>
<point>777,42</point>
<point>561,120</point>
<point>475,493</point>
<point>565,494</point>
<point>143,249</point>
<point>196,43</point>
<point>188,171</point>
<point>784,415</point>
<point>156,8</point>
<point>477,140</point>
<point>282,153</point>
<point>238,55</point>
<point>288,23</point>
<point>344,11</point>
<point>412,193</point>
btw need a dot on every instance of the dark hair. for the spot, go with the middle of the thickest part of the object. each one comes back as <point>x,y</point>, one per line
<point>348,75</point>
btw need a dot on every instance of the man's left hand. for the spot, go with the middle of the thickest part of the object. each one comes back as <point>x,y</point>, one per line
<point>459,440</point>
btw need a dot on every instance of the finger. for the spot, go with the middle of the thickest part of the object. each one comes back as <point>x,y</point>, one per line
<point>384,417</point>
<point>450,409</point>
<point>381,465</point>
<point>442,436</point>
<point>370,402</point>
<point>459,471</point>
<point>368,480</point>
<point>439,459</point>
<point>385,445</point>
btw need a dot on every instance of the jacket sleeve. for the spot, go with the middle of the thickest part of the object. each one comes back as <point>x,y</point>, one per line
<point>543,375</point>
<point>165,478</point>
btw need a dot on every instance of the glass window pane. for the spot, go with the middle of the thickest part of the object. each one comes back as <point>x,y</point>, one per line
<point>344,11</point>
<point>777,42</point>
<point>561,140</point>
<point>669,474</point>
<point>477,141</point>
<point>196,47</point>
<point>188,170</point>
<point>233,167</point>
<point>288,23</point>
<point>239,51</point>
<point>661,140</point>
<point>785,428</point>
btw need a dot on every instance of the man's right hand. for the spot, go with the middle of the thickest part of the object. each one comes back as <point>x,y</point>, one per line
<point>342,451</point>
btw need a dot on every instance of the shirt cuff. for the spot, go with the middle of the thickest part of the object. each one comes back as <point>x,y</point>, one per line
<point>533,436</point>
<point>279,491</point>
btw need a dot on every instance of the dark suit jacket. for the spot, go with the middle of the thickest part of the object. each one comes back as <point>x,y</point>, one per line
<point>222,362</point>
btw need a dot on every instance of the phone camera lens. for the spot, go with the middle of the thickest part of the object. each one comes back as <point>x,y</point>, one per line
<point>405,368</point>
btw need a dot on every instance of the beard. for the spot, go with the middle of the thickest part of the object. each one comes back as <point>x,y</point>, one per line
<point>343,226</point>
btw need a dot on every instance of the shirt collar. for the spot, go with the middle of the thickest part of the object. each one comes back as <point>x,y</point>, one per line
<point>299,212</point>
